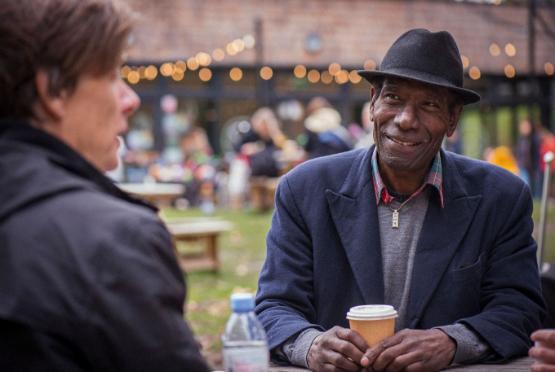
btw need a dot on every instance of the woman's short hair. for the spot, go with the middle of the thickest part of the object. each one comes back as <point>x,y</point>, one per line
<point>64,38</point>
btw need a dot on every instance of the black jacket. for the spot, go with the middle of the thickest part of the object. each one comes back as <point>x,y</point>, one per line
<point>88,275</point>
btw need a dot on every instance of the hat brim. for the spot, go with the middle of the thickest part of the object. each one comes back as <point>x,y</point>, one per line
<point>468,96</point>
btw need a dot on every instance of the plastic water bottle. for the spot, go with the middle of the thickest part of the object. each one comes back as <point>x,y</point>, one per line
<point>244,340</point>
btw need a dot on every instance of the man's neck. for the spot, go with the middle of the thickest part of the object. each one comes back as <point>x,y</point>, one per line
<point>405,183</point>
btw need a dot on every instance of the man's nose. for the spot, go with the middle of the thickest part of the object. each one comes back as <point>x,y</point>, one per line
<point>406,118</point>
<point>130,100</point>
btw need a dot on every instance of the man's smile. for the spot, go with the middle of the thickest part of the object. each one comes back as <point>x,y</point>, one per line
<point>402,142</point>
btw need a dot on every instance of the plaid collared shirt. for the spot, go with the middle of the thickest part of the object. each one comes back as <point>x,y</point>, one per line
<point>434,179</point>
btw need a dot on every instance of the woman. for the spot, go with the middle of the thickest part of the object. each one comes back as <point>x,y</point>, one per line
<point>88,276</point>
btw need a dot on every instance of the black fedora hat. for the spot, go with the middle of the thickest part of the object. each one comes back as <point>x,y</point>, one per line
<point>428,57</point>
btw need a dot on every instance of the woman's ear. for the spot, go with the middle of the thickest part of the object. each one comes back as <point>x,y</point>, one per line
<point>49,106</point>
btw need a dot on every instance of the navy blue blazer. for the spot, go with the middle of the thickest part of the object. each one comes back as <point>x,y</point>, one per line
<point>475,261</point>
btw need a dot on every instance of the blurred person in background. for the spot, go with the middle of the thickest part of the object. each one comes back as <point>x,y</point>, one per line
<point>527,152</point>
<point>260,145</point>
<point>199,169</point>
<point>324,133</point>
<point>256,154</point>
<point>502,156</point>
<point>367,139</point>
<point>88,275</point>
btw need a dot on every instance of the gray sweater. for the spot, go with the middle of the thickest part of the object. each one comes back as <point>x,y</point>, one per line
<point>398,251</point>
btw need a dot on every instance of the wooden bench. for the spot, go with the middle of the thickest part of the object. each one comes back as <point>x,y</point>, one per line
<point>205,231</point>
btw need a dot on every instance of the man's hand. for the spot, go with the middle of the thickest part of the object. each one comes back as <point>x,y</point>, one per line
<point>338,349</point>
<point>411,350</point>
<point>544,350</point>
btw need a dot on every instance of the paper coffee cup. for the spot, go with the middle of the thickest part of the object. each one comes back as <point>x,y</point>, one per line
<point>373,322</point>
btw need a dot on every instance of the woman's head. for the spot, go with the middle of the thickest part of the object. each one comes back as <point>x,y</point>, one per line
<point>63,39</point>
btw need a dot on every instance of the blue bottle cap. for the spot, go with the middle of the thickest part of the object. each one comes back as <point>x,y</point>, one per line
<point>242,302</point>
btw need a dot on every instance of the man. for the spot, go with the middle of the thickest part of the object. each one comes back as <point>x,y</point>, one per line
<point>444,239</point>
<point>88,276</point>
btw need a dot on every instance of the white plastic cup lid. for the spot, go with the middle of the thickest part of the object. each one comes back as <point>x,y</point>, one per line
<point>371,312</point>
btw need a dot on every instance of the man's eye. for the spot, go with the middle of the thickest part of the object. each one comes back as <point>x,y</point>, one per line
<point>391,96</point>
<point>432,105</point>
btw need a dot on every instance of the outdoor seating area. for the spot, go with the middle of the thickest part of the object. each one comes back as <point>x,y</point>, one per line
<point>205,232</point>
<point>277,186</point>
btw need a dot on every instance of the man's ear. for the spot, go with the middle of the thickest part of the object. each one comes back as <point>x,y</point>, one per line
<point>48,104</point>
<point>454,116</point>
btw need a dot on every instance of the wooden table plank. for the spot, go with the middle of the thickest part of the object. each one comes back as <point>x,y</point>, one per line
<point>517,365</point>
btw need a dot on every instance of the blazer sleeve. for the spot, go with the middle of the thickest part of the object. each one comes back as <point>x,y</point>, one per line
<point>137,305</point>
<point>285,298</point>
<point>511,300</point>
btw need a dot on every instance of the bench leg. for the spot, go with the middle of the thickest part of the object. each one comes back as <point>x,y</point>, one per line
<point>212,251</point>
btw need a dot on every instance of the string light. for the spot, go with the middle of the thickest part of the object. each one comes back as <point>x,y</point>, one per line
<point>494,49</point>
<point>236,74</point>
<point>326,77</point>
<point>510,50</point>
<point>354,77</point>
<point>510,71</point>
<point>205,74</point>
<point>299,71</point>
<point>133,77</point>
<point>178,75</point>
<point>313,76</point>
<point>465,61</point>
<point>192,64</point>
<point>334,68</point>
<point>124,71</point>
<point>474,73</point>
<point>151,72</point>
<point>342,77</point>
<point>181,65</point>
<point>266,73</point>
<point>218,54</point>
<point>203,58</point>
<point>249,41</point>
<point>142,72</point>
<point>230,49</point>
<point>369,64</point>
<point>166,69</point>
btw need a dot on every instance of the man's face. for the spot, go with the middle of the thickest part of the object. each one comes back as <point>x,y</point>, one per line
<point>411,120</point>
<point>96,114</point>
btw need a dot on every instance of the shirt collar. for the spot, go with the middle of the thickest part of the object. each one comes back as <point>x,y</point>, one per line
<point>434,179</point>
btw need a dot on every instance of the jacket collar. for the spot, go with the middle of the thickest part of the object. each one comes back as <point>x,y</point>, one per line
<point>19,132</point>
<point>354,212</point>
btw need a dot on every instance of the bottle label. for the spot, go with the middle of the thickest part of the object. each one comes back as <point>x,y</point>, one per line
<point>246,359</point>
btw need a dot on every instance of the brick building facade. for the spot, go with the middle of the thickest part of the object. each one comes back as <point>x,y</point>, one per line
<point>493,39</point>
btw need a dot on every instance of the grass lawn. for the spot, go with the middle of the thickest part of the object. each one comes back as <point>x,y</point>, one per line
<point>242,252</point>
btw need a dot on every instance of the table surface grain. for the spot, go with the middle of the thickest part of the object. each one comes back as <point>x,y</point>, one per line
<point>517,365</point>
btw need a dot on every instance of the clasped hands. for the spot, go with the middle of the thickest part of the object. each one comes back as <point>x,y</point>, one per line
<point>342,349</point>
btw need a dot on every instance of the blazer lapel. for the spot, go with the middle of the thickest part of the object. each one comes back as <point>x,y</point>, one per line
<point>441,234</point>
<point>354,214</point>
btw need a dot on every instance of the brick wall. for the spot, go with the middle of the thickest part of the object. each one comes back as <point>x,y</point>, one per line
<point>351,30</point>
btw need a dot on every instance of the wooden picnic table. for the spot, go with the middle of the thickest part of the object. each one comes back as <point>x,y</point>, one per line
<point>157,193</point>
<point>516,365</point>
<point>204,230</point>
